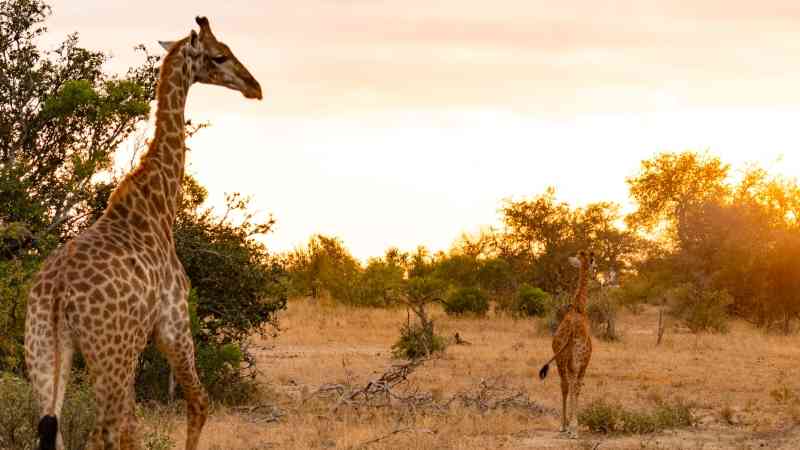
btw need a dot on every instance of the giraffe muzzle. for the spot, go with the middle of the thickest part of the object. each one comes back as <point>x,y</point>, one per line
<point>253,91</point>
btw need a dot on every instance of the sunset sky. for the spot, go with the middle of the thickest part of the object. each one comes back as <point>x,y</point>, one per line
<point>406,122</point>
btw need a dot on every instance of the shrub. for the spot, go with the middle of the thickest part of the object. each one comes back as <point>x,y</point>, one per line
<point>600,417</point>
<point>635,293</point>
<point>158,440</point>
<point>701,309</point>
<point>531,302</point>
<point>602,313</point>
<point>603,417</point>
<point>417,341</point>
<point>468,300</point>
<point>19,414</point>
<point>559,305</point>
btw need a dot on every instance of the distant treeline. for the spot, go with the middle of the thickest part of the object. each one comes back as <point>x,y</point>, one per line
<point>700,241</point>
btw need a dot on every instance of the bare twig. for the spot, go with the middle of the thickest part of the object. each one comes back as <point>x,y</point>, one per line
<point>379,438</point>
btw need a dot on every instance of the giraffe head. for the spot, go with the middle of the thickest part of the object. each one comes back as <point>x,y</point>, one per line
<point>213,62</point>
<point>585,261</point>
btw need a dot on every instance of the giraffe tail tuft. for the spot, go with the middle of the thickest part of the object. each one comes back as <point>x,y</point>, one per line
<point>543,371</point>
<point>48,431</point>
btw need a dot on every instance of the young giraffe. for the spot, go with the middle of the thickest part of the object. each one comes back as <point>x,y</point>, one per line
<point>572,347</point>
<point>119,282</point>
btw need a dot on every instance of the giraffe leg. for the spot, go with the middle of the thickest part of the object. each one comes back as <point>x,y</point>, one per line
<point>578,387</point>
<point>564,393</point>
<point>110,396</point>
<point>572,407</point>
<point>174,340</point>
<point>583,364</point>
<point>49,366</point>
<point>129,439</point>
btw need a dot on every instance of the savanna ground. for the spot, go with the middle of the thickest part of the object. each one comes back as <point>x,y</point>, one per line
<point>743,386</point>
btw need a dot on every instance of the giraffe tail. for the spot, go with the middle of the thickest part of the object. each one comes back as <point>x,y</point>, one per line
<point>546,367</point>
<point>51,346</point>
<point>48,432</point>
<point>543,371</point>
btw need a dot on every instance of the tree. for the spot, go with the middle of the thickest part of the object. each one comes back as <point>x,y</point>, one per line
<point>324,265</point>
<point>420,339</point>
<point>670,184</point>
<point>61,120</point>
<point>735,241</point>
<point>381,282</point>
<point>541,233</point>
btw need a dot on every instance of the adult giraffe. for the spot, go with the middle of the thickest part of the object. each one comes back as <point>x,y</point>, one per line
<point>572,347</point>
<point>119,282</point>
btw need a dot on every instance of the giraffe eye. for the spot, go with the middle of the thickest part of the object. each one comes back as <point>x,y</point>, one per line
<point>219,59</point>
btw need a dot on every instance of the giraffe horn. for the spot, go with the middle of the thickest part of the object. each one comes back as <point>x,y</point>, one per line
<point>205,26</point>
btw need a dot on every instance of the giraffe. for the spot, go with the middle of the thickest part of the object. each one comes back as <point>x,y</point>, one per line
<point>572,347</point>
<point>119,282</point>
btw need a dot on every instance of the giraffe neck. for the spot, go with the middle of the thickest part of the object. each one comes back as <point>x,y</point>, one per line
<point>581,294</point>
<point>167,151</point>
<point>152,191</point>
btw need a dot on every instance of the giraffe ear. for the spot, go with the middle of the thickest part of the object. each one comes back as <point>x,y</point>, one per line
<point>575,262</point>
<point>167,44</point>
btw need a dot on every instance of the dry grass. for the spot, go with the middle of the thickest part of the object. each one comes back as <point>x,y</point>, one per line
<point>744,384</point>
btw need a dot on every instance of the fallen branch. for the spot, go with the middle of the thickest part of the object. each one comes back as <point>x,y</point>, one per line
<point>388,435</point>
<point>260,413</point>
<point>491,394</point>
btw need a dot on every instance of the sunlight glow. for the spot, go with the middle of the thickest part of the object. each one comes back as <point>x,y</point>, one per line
<point>389,124</point>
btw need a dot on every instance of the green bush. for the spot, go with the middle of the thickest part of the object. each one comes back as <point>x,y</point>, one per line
<point>603,417</point>
<point>467,301</point>
<point>531,302</point>
<point>417,341</point>
<point>701,309</point>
